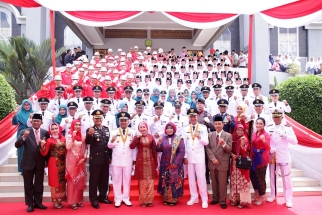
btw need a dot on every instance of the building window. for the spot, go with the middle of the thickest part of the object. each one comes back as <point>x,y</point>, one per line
<point>5,25</point>
<point>223,42</point>
<point>288,42</point>
<point>70,39</point>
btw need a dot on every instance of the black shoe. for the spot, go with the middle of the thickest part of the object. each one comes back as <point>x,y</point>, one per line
<point>208,181</point>
<point>223,206</point>
<point>95,205</point>
<point>41,206</point>
<point>105,201</point>
<point>30,208</point>
<point>213,202</point>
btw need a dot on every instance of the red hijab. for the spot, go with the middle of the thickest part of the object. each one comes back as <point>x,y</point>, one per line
<point>236,139</point>
<point>172,125</point>
<point>59,130</point>
<point>78,135</point>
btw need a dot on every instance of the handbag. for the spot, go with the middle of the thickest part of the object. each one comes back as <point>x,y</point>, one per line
<point>243,162</point>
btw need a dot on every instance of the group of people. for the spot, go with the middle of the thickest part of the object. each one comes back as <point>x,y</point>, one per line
<point>187,118</point>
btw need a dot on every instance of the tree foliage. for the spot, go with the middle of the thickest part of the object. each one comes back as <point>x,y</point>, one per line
<point>7,98</point>
<point>25,64</point>
<point>304,94</point>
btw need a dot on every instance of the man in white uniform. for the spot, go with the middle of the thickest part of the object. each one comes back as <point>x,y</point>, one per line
<point>47,116</point>
<point>54,104</point>
<point>257,95</point>
<point>66,122</point>
<point>148,103</point>
<point>259,113</point>
<point>139,116</point>
<point>178,118</point>
<point>97,90</point>
<point>122,160</point>
<point>195,137</point>
<point>282,106</point>
<point>78,98</point>
<point>108,119</point>
<point>85,115</point>
<point>281,136</point>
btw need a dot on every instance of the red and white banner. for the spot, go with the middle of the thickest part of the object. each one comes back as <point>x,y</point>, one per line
<point>293,15</point>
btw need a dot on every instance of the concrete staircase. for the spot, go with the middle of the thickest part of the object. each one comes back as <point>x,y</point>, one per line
<point>12,188</point>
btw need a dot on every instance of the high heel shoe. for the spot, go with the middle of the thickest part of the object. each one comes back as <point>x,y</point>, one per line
<point>255,199</point>
<point>259,202</point>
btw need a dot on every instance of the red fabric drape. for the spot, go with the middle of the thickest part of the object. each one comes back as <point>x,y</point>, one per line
<point>22,3</point>
<point>305,136</point>
<point>201,17</point>
<point>295,9</point>
<point>7,129</point>
<point>102,16</point>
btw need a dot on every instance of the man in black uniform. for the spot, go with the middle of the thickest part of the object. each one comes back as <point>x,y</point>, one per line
<point>99,158</point>
<point>206,119</point>
<point>32,162</point>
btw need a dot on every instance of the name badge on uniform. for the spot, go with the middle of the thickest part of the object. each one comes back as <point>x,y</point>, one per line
<point>145,119</point>
<point>163,122</point>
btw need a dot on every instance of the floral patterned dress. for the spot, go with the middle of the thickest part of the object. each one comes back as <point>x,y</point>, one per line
<point>171,176</point>
<point>56,168</point>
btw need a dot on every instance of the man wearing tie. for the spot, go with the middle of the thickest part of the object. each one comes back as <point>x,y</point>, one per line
<point>228,120</point>
<point>66,122</point>
<point>47,116</point>
<point>54,104</point>
<point>195,138</point>
<point>78,98</point>
<point>32,162</point>
<point>281,106</point>
<point>122,160</point>
<point>218,151</point>
<point>85,115</point>
<point>259,112</point>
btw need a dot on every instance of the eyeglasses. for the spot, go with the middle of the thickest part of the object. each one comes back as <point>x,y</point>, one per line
<point>146,94</point>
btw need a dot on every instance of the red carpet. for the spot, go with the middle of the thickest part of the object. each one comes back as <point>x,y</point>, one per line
<point>305,205</point>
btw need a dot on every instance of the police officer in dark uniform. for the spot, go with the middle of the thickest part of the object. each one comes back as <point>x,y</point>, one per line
<point>99,158</point>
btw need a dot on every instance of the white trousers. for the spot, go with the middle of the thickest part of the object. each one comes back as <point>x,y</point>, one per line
<point>199,170</point>
<point>285,170</point>
<point>121,176</point>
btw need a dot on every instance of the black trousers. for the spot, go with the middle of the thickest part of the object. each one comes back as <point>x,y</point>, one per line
<point>207,170</point>
<point>98,178</point>
<point>34,188</point>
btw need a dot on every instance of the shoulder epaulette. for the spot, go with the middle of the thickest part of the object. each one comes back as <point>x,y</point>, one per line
<point>269,125</point>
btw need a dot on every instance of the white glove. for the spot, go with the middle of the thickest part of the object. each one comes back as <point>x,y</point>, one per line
<point>206,119</point>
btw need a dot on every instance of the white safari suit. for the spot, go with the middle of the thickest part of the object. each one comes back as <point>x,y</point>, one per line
<point>281,136</point>
<point>195,153</point>
<point>122,160</point>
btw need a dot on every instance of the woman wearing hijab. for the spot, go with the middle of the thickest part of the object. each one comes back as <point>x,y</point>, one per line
<point>56,146</point>
<point>75,168</point>
<point>241,118</point>
<point>198,92</point>
<point>123,107</point>
<point>61,115</point>
<point>138,96</point>
<point>193,102</point>
<point>239,178</point>
<point>156,95</point>
<point>172,98</point>
<point>146,164</point>
<point>171,175</point>
<point>20,118</point>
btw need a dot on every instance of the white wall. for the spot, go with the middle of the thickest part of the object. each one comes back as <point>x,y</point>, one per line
<point>165,44</point>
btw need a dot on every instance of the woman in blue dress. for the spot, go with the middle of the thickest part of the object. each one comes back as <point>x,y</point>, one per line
<point>20,118</point>
<point>171,175</point>
<point>61,115</point>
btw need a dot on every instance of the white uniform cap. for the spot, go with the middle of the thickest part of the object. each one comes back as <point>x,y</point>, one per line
<point>136,62</point>
<point>122,59</point>
<point>123,78</point>
<point>94,76</point>
<point>58,78</point>
<point>91,67</point>
<point>148,48</point>
<point>111,65</point>
<point>69,65</point>
<point>84,66</point>
<point>93,62</point>
<point>81,70</point>
<point>110,50</point>
<point>145,52</point>
<point>116,57</point>
<point>110,58</point>
<point>119,50</point>
<point>108,78</point>
<point>130,75</point>
<point>141,58</point>
<point>135,47</point>
<point>98,65</point>
<point>103,60</point>
<point>76,62</point>
<point>154,52</point>
<point>123,54</point>
<point>85,60</point>
<point>140,53</point>
<point>115,71</point>
<point>160,50</point>
<point>122,64</point>
<point>128,55</point>
<point>96,53</point>
<point>103,69</point>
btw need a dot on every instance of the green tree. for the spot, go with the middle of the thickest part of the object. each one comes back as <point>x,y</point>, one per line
<point>7,98</point>
<point>304,94</point>
<point>25,65</point>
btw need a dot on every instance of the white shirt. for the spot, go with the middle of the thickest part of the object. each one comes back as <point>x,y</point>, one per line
<point>47,119</point>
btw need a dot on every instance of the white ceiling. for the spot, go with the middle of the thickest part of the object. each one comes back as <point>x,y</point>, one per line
<point>148,20</point>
